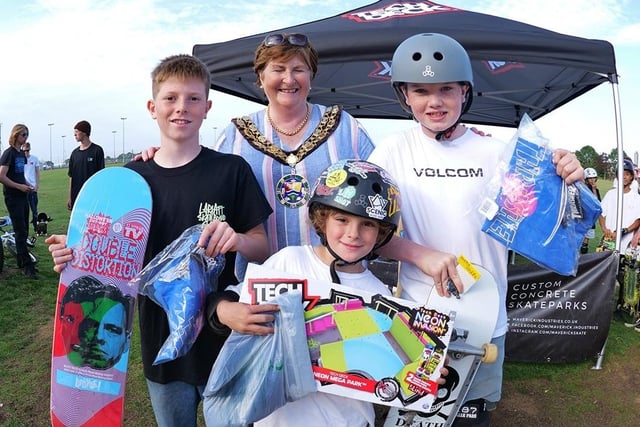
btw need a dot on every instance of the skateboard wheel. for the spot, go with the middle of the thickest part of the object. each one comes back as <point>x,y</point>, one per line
<point>490,353</point>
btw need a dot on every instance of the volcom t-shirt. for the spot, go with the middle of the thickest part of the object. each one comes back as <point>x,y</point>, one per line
<point>441,185</point>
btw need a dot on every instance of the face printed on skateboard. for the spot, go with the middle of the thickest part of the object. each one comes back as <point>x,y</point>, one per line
<point>95,323</point>
<point>103,333</point>
<point>71,319</point>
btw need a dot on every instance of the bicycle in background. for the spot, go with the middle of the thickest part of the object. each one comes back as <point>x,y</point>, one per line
<point>8,244</point>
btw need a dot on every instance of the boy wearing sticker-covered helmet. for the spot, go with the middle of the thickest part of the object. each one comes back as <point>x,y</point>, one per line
<point>355,209</point>
<point>442,170</point>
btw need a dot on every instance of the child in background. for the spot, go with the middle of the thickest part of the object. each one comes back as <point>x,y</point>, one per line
<point>591,179</point>
<point>630,209</point>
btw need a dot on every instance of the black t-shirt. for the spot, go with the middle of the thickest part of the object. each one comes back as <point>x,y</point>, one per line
<point>212,186</point>
<point>83,164</point>
<point>15,161</point>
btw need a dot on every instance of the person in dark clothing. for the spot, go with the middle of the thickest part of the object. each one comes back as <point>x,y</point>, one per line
<point>15,190</point>
<point>84,161</point>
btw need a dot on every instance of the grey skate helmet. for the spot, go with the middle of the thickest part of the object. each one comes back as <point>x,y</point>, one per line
<point>431,58</point>
<point>590,173</point>
<point>359,188</point>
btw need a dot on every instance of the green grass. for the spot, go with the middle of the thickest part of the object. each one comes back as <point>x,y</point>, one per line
<point>26,327</point>
<point>26,323</point>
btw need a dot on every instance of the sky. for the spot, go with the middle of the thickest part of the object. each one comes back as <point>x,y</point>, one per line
<point>63,61</point>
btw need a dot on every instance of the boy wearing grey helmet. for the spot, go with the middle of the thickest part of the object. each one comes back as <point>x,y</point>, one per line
<point>442,170</point>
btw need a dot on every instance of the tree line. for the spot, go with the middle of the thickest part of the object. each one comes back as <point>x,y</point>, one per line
<point>603,163</point>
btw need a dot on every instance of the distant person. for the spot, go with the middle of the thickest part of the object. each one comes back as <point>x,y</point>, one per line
<point>15,189</point>
<point>591,179</point>
<point>630,209</point>
<point>32,176</point>
<point>85,160</point>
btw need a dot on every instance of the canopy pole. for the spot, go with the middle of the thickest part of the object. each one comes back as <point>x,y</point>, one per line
<point>616,109</point>
<point>620,171</point>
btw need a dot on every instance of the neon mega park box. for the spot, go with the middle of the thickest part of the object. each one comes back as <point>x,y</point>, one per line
<point>363,346</point>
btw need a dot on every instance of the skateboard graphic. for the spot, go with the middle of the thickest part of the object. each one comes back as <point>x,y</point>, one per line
<point>108,232</point>
<point>476,315</point>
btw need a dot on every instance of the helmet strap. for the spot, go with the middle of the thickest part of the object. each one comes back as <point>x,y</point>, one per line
<point>446,134</point>
<point>337,261</point>
<point>332,270</point>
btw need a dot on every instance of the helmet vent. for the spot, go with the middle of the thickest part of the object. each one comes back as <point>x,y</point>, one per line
<point>376,188</point>
<point>353,181</point>
<point>417,56</point>
<point>438,56</point>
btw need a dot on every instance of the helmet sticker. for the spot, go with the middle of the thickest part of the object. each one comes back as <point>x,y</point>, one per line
<point>377,207</point>
<point>323,190</point>
<point>335,178</point>
<point>345,195</point>
<point>428,72</point>
<point>393,195</point>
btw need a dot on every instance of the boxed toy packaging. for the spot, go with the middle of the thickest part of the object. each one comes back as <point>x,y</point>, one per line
<point>363,346</point>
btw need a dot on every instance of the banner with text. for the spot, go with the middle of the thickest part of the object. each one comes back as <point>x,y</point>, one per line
<point>554,318</point>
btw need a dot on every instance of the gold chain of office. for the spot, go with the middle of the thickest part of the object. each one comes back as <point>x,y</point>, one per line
<point>329,122</point>
<point>296,130</point>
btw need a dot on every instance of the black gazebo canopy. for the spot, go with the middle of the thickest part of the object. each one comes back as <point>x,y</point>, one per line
<point>518,68</point>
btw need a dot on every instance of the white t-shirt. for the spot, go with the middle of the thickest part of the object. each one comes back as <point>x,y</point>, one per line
<point>321,409</point>
<point>442,184</point>
<point>30,170</point>
<point>630,211</point>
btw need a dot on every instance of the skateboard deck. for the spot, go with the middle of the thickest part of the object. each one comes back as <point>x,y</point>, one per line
<point>108,232</point>
<point>476,316</point>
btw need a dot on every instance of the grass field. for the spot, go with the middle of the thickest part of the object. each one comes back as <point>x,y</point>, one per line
<point>534,394</point>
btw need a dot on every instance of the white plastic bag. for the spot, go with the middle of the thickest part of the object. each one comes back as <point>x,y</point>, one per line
<point>256,374</point>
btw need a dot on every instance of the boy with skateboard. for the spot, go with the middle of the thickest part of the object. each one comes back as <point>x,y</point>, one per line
<point>190,184</point>
<point>442,170</point>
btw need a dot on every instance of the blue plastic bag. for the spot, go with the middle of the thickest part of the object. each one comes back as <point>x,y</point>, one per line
<point>256,374</point>
<point>535,213</point>
<point>179,279</point>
